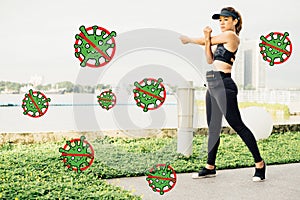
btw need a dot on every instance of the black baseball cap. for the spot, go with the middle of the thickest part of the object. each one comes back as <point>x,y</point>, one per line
<point>226,13</point>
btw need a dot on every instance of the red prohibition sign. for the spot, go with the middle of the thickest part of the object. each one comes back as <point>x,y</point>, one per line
<point>106,102</point>
<point>286,52</point>
<point>172,179</point>
<point>30,102</point>
<point>161,99</point>
<point>96,47</point>
<point>91,156</point>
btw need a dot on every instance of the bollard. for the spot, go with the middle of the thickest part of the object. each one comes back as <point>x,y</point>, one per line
<point>185,129</point>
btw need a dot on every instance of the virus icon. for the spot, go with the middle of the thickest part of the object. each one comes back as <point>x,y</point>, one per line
<point>107,99</point>
<point>161,178</point>
<point>99,48</point>
<point>35,104</point>
<point>275,50</point>
<point>77,157</point>
<point>149,92</point>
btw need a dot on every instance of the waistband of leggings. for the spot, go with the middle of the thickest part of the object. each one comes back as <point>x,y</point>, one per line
<point>217,74</point>
<point>225,75</point>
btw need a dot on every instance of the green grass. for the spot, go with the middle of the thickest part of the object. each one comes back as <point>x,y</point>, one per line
<point>36,171</point>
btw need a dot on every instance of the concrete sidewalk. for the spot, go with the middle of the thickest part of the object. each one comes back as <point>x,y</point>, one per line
<point>283,182</point>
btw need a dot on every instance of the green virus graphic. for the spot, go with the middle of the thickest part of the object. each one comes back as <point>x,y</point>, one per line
<point>275,48</point>
<point>107,99</point>
<point>35,104</point>
<point>149,94</point>
<point>77,154</point>
<point>91,47</point>
<point>161,178</point>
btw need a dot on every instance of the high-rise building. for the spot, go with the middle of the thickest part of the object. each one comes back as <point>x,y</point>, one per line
<point>249,67</point>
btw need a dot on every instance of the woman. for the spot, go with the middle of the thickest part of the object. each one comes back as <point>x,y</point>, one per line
<point>221,96</point>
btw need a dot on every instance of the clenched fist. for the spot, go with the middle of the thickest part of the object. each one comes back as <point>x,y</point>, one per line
<point>207,31</point>
<point>184,39</point>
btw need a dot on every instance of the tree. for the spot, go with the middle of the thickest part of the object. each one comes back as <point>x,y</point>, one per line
<point>67,85</point>
<point>2,86</point>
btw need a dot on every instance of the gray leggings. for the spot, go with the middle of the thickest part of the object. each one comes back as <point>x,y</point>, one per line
<point>221,99</point>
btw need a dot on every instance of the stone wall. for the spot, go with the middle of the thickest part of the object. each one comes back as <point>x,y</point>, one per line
<point>285,128</point>
<point>29,138</point>
<point>276,129</point>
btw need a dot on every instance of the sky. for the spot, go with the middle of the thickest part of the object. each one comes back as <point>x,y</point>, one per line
<point>37,36</point>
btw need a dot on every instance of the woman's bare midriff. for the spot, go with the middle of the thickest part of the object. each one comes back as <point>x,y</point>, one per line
<point>222,66</point>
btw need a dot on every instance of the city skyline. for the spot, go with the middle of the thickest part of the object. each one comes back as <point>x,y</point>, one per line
<point>249,69</point>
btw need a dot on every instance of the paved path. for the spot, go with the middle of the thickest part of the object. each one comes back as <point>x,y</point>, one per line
<point>283,182</point>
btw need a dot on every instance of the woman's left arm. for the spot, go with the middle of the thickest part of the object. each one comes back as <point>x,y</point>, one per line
<point>209,55</point>
<point>223,38</point>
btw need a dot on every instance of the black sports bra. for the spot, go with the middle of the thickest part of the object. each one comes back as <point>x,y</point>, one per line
<point>223,54</point>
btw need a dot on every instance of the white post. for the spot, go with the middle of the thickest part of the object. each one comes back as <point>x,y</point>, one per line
<point>185,129</point>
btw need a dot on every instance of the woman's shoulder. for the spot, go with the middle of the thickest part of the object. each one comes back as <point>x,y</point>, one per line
<point>233,41</point>
<point>233,36</point>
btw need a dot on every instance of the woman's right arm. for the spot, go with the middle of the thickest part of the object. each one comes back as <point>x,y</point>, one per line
<point>185,40</point>
<point>201,41</point>
<point>222,38</point>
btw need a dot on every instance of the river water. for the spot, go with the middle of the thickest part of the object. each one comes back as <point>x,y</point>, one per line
<point>88,116</point>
